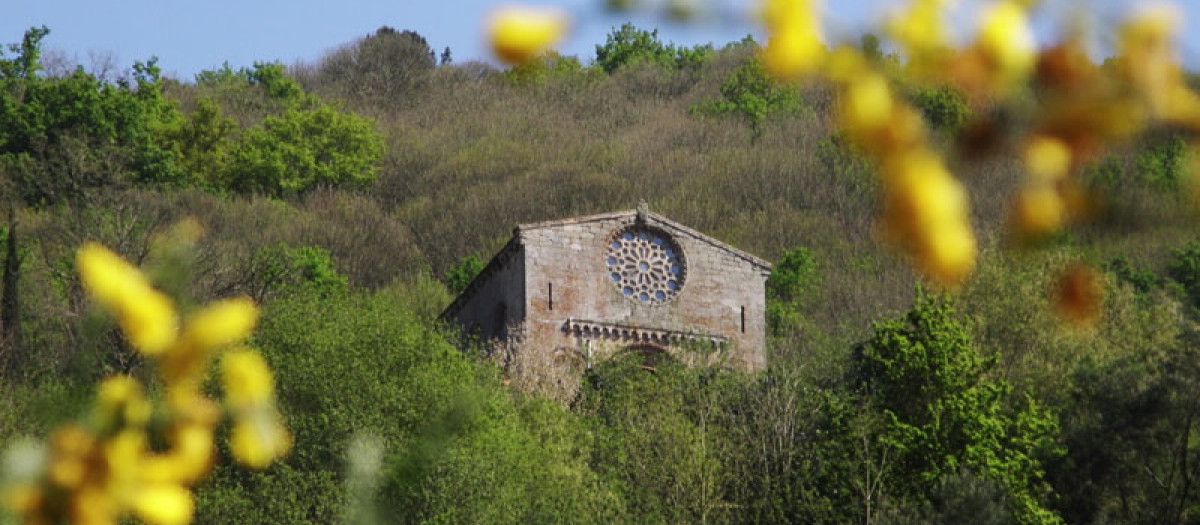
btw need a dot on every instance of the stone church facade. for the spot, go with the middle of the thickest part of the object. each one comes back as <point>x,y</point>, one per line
<point>585,289</point>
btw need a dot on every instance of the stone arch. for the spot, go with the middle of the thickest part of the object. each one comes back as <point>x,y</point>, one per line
<point>651,354</point>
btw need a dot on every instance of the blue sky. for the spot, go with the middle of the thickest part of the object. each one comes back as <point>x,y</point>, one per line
<point>192,36</point>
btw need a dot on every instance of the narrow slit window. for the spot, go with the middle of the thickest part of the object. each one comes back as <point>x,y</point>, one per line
<point>743,319</point>
<point>550,293</point>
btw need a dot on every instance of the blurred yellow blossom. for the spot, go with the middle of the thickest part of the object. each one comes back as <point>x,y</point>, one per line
<point>222,323</point>
<point>147,317</point>
<point>164,504</point>
<point>1040,211</point>
<point>259,436</point>
<point>247,379</point>
<point>1007,44</point>
<point>1147,56</point>
<point>922,35</point>
<point>101,470</point>
<point>1048,159</point>
<point>520,34</point>
<point>794,48</point>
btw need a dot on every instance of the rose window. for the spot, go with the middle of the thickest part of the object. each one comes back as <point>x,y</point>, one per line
<point>646,265</point>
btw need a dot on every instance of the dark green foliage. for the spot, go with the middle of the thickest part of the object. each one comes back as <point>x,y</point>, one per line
<point>629,45</point>
<point>1142,281</point>
<point>1131,435</point>
<point>944,107</point>
<point>752,94</point>
<point>870,46</point>
<point>794,276</point>
<point>1184,269</point>
<point>961,498</point>
<point>10,298</point>
<point>459,277</point>
<point>205,142</point>
<point>273,79</point>
<point>460,449</point>
<point>1163,163</point>
<point>62,138</point>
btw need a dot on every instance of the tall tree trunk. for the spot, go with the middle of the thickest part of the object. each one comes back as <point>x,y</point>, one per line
<point>10,333</point>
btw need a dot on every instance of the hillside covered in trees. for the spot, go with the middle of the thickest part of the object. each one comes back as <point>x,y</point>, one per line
<point>352,197</point>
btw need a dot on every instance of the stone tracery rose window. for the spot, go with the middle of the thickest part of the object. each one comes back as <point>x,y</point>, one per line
<point>645,264</point>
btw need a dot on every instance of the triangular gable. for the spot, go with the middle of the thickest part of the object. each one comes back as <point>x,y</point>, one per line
<point>514,244</point>
<point>654,217</point>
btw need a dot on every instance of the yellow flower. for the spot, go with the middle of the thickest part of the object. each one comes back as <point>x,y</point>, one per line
<point>921,33</point>
<point>23,498</point>
<point>948,253</point>
<point>247,378</point>
<point>1006,41</point>
<point>223,323</point>
<point>1048,159</point>
<point>1148,60</point>
<point>867,104</point>
<point>105,275</point>
<point>71,446</point>
<point>792,54</point>
<point>520,34</point>
<point>794,48</point>
<point>146,316</point>
<point>926,213</point>
<point>259,438</point>
<point>188,460</point>
<point>163,504</point>
<point>94,506</point>
<point>121,402</point>
<point>1040,210</point>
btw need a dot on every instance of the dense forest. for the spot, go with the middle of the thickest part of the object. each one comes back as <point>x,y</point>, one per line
<point>353,196</point>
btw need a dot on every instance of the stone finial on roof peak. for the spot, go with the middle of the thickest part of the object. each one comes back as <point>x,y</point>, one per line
<point>643,209</point>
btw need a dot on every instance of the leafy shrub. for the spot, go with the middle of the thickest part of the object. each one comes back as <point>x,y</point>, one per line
<point>459,277</point>
<point>1184,269</point>
<point>1163,164</point>
<point>944,107</point>
<point>306,149</point>
<point>754,95</point>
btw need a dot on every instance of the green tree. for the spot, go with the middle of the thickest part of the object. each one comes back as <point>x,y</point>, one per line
<point>388,68</point>
<point>662,437</point>
<point>63,137</point>
<point>793,282</point>
<point>754,95</point>
<point>205,141</point>
<point>943,417</point>
<point>629,45</point>
<point>305,149</point>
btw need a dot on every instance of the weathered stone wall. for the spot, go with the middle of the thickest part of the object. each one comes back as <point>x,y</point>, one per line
<point>495,301</point>
<point>566,278</point>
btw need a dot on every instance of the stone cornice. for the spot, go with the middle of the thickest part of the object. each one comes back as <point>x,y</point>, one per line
<point>630,334</point>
